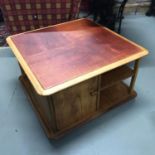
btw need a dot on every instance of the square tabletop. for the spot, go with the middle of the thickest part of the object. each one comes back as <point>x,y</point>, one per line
<point>60,56</point>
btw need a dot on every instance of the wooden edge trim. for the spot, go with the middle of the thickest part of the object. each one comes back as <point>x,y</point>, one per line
<point>25,67</point>
<point>72,82</point>
<point>39,89</point>
<point>129,41</point>
<point>71,21</point>
<point>120,36</point>
<point>93,74</point>
<point>79,20</point>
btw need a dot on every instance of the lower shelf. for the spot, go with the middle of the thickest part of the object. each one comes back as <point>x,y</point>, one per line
<point>109,98</point>
<point>115,95</point>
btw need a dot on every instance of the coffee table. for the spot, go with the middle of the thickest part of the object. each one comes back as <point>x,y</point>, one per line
<point>75,71</point>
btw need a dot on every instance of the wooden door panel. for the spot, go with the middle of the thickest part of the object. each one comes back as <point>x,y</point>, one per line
<point>75,103</point>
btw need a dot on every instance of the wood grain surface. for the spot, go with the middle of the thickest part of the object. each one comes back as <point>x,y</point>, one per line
<point>60,56</point>
<point>75,103</point>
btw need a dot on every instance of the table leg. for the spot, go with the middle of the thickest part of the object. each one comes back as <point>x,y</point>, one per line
<point>133,80</point>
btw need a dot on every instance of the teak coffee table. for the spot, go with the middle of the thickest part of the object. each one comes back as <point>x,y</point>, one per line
<point>74,72</point>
